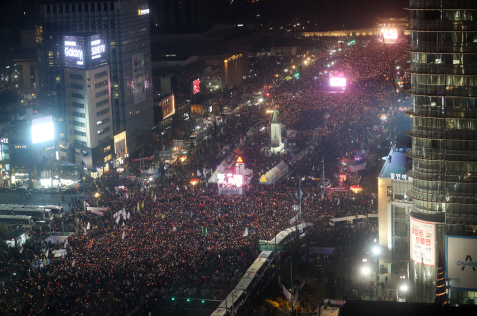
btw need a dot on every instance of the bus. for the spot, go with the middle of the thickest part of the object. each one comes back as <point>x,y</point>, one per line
<point>56,210</point>
<point>348,220</point>
<point>16,220</point>
<point>6,209</point>
<point>35,213</point>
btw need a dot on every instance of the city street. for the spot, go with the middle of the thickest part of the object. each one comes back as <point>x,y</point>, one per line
<point>37,199</point>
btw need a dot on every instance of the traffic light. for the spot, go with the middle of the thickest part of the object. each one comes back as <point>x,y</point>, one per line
<point>188,300</point>
<point>173,298</point>
<point>203,301</point>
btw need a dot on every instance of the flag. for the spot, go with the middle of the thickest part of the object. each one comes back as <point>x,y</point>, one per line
<point>44,262</point>
<point>152,194</point>
<point>211,171</point>
<point>142,205</point>
<point>86,204</point>
<point>73,263</point>
<point>46,253</point>
<point>338,203</point>
<point>177,188</point>
<point>204,171</point>
<point>245,233</point>
<point>198,173</point>
<point>129,215</point>
<point>296,194</point>
<point>138,207</point>
<point>117,220</point>
<point>91,243</point>
<point>88,227</point>
<point>191,214</point>
<point>202,231</point>
<point>322,195</point>
<point>206,233</point>
<point>124,234</point>
<point>155,198</point>
<point>174,228</point>
<point>124,214</point>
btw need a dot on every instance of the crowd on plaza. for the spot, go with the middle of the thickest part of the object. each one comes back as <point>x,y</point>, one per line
<point>175,235</point>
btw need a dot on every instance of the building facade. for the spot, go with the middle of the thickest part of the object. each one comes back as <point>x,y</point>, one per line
<point>88,101</point>
<point>126,27</point>
<point>444,139</point>
<point>393,212</point>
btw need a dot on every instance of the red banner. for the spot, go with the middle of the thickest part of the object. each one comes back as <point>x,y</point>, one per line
<point>334,189</point>
<point>142,159</point>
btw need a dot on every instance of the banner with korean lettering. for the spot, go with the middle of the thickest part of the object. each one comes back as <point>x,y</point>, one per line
<point>423,242</point>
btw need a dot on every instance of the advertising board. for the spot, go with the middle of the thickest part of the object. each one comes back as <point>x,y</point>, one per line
<point>85,51</point>
<point>42,129</point>
<point>230,190</point>
<point>74,51</point>
<point>196,86</point>
<point>461,262</point>
<point>423,242</point>
<point>139,84</point>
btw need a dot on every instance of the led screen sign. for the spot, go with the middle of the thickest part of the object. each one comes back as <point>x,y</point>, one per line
<point>85,51</point>
<point>42,129</point>
<point>196,86</point>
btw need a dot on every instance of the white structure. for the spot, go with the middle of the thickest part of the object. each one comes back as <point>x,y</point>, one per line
<point>275,173</point>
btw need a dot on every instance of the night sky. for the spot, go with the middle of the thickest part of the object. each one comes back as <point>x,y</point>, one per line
<point>328,14</point>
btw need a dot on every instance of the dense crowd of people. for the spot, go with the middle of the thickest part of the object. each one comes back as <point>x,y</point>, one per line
<point>175,235</point>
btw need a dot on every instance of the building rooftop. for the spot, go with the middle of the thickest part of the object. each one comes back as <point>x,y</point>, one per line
<point>396,162</point>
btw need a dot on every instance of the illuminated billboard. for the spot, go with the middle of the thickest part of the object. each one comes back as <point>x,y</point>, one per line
<point>42,129</point>
<point>337,79</point>
<point>139,78</point>
<point>196,86</point>
<point>84,51</point>
<point>97,53</point>
<point>120,145</point>
<point>74,51</point>
<point>423,242</point>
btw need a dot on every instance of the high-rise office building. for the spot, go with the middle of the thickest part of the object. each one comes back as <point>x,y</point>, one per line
<point>126,28</point>
<point>444,147</point>
<point>88,100</point>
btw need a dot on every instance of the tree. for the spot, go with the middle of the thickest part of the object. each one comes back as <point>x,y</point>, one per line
<point>441,296</point>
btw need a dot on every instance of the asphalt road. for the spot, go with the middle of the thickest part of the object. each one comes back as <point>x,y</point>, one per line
<point>37,199</point>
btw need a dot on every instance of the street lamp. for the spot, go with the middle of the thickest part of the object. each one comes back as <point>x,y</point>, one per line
<point>403,288</point>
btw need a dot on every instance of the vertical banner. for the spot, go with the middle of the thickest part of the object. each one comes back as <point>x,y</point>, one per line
<point>423,242</point>
<point>139,87</point>
<point>461,262</point>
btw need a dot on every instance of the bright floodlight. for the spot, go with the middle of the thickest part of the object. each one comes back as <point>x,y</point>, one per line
<point>376,250</point>
<point>365,271</point>
<point>42,129</point>
<point>403,288</point>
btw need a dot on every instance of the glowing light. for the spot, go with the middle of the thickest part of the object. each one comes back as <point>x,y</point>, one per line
<point>239,159</point>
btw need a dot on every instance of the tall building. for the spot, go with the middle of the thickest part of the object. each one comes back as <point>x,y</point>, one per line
<point>443,218</point>
<point>88,100</point>
<point>126,27</point>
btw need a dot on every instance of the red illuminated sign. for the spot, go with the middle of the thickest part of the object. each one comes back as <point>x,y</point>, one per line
<point>196,86</point>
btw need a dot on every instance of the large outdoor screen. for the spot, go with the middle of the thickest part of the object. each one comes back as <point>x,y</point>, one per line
<point>85,51</point>
<point>42,129</point>
<point>196,86</point>
<point>390,35</point>
<point>74,51</point>
<point>337,79</point>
